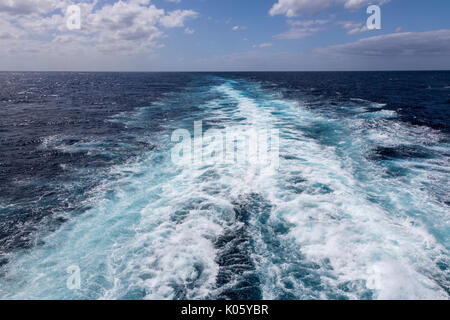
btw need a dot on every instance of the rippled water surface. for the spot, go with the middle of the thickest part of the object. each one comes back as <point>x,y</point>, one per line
<point>358,208</point>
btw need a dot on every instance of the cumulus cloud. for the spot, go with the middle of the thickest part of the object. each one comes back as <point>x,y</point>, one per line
<point>130,27</point>
<point>25,7</point>
<point>9,31</point>
<point>177,18</point>
<point>294,8</point>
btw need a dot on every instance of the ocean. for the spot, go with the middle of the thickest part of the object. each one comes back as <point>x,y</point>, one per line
<point>357,208</point>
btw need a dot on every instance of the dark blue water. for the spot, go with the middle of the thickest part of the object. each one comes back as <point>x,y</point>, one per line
<point>358,208</point>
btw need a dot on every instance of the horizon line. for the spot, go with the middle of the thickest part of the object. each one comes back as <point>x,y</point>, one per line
<point>227,71</point>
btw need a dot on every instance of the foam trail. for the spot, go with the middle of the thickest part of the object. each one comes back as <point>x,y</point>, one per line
<point>347,245</point>
<point>332,222</point>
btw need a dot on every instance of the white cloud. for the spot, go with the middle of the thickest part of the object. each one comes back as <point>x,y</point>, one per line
<point>129,27</point>
<point>237,28</point>
<point>263,45</point>
<point>400,51</point>
<point>353,27</point>
<point>406,44</point>
<point>177,18</point>
<point>25,7</point>
<point>306,23</point>
<point>298,33</point>
<point>357,4</point>
<point>9,31</point>
<point>294,8</point>
<point>189,31</point>
<point>302,28</point>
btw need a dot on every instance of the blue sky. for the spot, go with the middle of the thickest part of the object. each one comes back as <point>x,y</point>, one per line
<point>228,35</point>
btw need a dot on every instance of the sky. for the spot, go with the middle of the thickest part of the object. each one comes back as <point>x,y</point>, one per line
<point>224,35</point>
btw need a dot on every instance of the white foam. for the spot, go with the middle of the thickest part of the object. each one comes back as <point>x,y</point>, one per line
<point>151,230</point>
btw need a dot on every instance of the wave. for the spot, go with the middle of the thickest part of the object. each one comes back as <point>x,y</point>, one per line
<point>333,222</point>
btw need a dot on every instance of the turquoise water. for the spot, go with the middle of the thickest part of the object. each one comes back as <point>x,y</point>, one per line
<point>358,208</point>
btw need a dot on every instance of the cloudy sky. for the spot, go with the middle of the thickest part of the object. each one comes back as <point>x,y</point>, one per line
<point>228,35</point>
